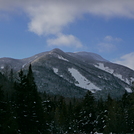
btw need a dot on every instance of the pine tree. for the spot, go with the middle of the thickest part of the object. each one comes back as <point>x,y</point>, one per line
<point>87,114</point>
<point>130,114</point>
<point>125,104</point>
<point>115,118</point>
<point>29,105</point>
<point>101,113</point>
<point>2,109</point>
<point>7,119</point>
<point>49,114</point>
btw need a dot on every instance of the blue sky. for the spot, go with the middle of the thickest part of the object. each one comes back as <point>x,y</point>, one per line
<point>105,27</point>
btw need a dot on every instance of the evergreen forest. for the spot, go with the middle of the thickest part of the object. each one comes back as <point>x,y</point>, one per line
<point>24,110</point>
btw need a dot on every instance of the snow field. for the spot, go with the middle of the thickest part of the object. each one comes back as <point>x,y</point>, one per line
<point>128,90</point>
<point>102,67</point>
<point>111,71</point>
<point>82,81</point>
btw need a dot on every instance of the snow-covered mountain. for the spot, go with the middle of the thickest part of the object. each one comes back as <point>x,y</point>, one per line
<point>72,74</point>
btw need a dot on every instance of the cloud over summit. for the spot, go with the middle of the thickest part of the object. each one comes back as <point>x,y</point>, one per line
<point>50,17</point>
<point>65,40</point>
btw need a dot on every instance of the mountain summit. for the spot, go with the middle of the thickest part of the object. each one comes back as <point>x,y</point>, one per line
<point>73,74</point>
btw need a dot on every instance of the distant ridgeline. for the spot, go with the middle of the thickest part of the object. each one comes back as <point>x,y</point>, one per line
<point>72,74</point>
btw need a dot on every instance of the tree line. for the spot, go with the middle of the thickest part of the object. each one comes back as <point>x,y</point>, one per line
<point>26,111</point>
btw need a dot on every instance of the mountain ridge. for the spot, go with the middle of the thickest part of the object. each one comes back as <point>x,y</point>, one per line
<point>72,74</point>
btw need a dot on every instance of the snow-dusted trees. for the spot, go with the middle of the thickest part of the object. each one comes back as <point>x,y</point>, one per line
<point>3,106</point>
<point>87,114</point>
<point>28,112</point>
<point>30,116</point>
<point>129,112</point>
<point>8,122</point>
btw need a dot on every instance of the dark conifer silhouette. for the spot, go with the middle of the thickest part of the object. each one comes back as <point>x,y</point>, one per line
<point>29,105</point>
<point>27,111</point>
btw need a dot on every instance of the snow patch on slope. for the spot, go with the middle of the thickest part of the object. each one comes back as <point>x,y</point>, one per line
<point>120,77</point>
<point>82,81</point>
<point>55,70</point>
<point>132,79</point>
<point>24,65</point>
<point>128,90</point>
<point>102,67</point>
<point>111,71</point>
<point>2,67</point>
<point>61,58</point>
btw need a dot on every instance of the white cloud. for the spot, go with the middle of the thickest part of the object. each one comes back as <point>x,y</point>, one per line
<point>49,19</point>
<point>51,16</point>
<point>108,44</point>
<point>106,47</point>
<point>65,40</point>
<point>111,39</point>
<point>126,60</point>
<point>108,38</point>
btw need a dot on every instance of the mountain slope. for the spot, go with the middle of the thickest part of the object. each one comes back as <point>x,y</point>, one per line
<point>72,74</point>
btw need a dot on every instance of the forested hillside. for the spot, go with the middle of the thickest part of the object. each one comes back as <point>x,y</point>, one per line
<point>23,110</point>
<point>71,74</point>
